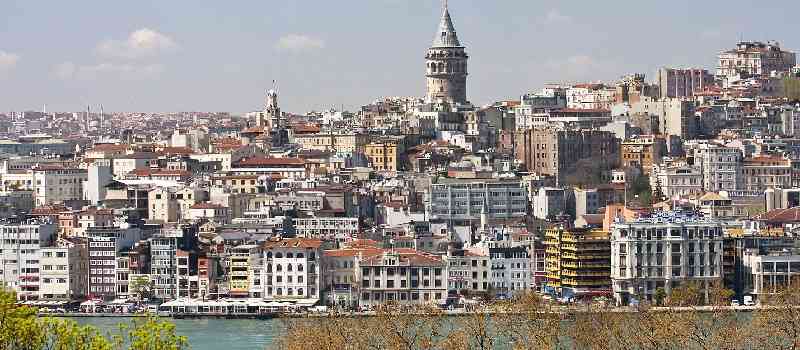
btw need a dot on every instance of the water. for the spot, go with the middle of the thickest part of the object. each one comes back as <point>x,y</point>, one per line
<point>209,334</point>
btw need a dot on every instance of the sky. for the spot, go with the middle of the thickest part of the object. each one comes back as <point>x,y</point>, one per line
<point>202,55</point>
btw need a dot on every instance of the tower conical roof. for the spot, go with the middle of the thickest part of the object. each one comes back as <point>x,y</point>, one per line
<point>446,35</point>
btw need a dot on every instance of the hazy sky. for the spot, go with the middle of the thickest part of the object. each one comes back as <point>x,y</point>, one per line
<point>200,55</point>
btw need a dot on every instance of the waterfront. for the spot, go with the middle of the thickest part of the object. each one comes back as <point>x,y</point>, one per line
<point>209,334</point>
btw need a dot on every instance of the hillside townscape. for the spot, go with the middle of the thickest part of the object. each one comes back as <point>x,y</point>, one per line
<point>673,189</point>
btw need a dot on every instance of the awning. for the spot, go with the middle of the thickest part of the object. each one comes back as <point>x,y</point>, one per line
<point>306,302</point>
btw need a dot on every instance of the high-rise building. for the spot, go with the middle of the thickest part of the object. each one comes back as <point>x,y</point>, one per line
<point>682,82</point>
<point>558,152</point>
<point>578,261</point>
<point>446,65</point>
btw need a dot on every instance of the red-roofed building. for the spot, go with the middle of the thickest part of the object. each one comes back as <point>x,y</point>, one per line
<point>342,271</point>
<point>403,276</point>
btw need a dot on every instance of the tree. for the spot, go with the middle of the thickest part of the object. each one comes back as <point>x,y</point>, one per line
<point>659,296</point>
<point>21,328</point>
<point>149,334</point>
<point>778,325</point>
<point>141,286</point>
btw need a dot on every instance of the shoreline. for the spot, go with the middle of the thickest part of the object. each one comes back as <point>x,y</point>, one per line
<point>454,313</point>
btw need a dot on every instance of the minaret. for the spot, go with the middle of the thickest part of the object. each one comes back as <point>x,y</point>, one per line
<point>446,64</point>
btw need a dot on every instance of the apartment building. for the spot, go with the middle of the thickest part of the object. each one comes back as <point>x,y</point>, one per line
<point>63,271</point>
<point>678,180</point>
<point>464,200</point>
<point>578,262</point>
<point>384,154</point>
<point>327,228</point>
<point>677,82</point>
<point>403,276</point>
<point>754,58</point>
<point>556,152</point>
<point>641,152</point>
<point>468,271</point>
<point>511,270</point>
<point>763,172</point>
<point>332,141</point>
<point>291,270</point>
<point>342,274</point>
<point>549,202</point>
<point>769,274</point>
<point>56,184</point>
<point>721,167</point>
<point>277,168</point>
<point>21,246</point>
<point>663,251</point>
<point>240,183</point>
<point>104,243</point>
<point>674,116</point>
<point>244,271</point>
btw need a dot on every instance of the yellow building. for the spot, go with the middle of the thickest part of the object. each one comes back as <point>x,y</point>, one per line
<point>329,141</point>
<point>239,270</point>
<point>384,154</point>
<point>578,261</point>
<point>642,152</point>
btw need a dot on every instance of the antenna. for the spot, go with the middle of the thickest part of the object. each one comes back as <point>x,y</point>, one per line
<point>102,117</point>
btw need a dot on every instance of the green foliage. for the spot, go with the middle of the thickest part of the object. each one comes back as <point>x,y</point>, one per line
<point>22,329</point>
<point>659,296</point>
<point>142,286</point>
<point>791,88</point>
<point>639,190</point>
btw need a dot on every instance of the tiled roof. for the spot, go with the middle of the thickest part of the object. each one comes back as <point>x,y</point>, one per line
<point>293,242</point>
<point>206,205</point>
<point>408,257</point>
<point>366,252</point>
<point>270,161</point>
<point>781,216</point>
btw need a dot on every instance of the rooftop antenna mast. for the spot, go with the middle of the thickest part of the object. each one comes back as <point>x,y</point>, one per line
<point>102,118</point>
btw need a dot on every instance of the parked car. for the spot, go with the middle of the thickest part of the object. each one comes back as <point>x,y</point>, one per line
<point>734,302</point>
<point>748,300</point>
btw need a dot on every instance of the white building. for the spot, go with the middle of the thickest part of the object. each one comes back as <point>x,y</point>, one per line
<point>511,269</point>
<point>20,255</point>
<point>327,228</point>
<point>57,184</point>
<point>290,271</point>
<point>99,175</point>
<point>468,270</point>
<point>769,274</point>
<point>721,167</point>
<point>677,181</point>
<point>63,274</point>
<point>663,251</point>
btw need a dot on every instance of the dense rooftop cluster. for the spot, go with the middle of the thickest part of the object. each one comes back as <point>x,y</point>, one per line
<point>576,190</point>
